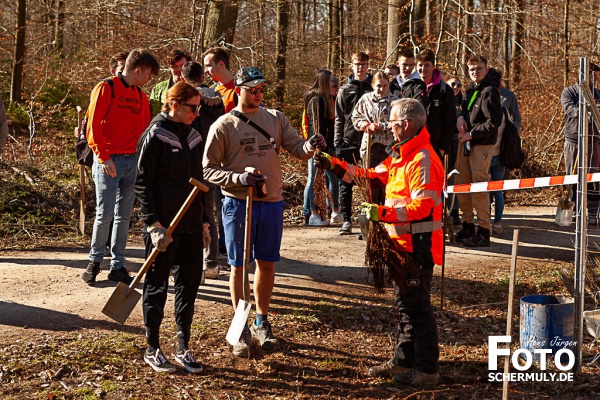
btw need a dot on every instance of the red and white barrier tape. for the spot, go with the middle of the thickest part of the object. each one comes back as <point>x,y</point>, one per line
<point>525,183</point>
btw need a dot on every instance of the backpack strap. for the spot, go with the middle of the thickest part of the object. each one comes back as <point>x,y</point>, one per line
<point>112,86</point>
<point>255,126</point>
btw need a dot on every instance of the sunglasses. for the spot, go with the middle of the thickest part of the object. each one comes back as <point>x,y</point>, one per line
<point>195,107</point>
<point>255,90</point>
<point>455,84</point>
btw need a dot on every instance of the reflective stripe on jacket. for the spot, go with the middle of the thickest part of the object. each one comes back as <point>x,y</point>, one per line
<point>414,180</point>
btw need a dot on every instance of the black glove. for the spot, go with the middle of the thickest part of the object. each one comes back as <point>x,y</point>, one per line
<point>318,141</point>
<point>250,179</point>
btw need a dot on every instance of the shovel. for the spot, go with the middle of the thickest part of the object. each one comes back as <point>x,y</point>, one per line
<point>242,311</point>
<point>82,200</point>
<point>123,300</point>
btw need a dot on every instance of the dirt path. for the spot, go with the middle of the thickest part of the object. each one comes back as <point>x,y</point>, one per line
<point>320,274</point>
<point>43,289</point>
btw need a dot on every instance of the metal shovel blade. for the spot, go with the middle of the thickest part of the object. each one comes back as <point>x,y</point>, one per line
<point>240,320</point>
<point>121,303</point>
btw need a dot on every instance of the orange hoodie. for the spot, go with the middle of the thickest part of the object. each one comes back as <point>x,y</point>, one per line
<point>117,118</point>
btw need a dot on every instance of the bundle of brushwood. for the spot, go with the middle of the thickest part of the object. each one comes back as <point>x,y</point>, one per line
<point>386,261</point>
<point>320,190</point>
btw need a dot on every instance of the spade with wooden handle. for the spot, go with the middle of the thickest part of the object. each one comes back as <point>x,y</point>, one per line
<point>123,300</point>
<point>82,199</point>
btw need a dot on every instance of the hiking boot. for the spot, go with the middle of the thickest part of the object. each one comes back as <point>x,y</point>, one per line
<point>264,336</point>
<point>120,275</point>
<point>159,362</point>
<point>315,220</point>
<point>346,228</point>
<point>467,232</point>
<point>387,368</point>
<point>211,272</point>
<point>415,377</point>
<point>306,219</point>
<point>481,239</point>
<point>90,273</point>
<point>242,347</point>
<point>497,228</point>
<point>360,236</point>
<point>187,360</point>
<point>336,217</point>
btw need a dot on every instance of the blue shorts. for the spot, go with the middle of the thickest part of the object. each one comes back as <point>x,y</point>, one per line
<point>267,229</point>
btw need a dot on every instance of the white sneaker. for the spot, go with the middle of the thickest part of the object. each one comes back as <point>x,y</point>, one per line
<point>211,273</point>
<point>336,217</point>
<point>315,220</point>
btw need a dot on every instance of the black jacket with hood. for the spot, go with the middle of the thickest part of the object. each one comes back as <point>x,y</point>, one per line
<point>346,138</point>
<point>169,154</point>
<point>412,88</point>
<point>484,116</point>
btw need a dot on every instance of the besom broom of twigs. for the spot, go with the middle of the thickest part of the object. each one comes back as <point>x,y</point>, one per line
<point>387,262</point>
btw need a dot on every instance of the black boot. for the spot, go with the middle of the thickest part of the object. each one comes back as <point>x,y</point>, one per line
<point>467,232</point>
<point>481,239</point>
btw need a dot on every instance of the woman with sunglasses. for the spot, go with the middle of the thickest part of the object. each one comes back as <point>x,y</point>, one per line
<point>169,154</point>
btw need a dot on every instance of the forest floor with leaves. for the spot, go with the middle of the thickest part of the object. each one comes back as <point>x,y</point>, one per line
<point>55,343</point>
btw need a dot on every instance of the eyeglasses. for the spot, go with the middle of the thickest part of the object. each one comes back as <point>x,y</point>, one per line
<point>255,90</point>
<point>195,107</point>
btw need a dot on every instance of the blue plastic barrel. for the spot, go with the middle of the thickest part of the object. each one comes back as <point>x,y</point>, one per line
<point>547,323</point>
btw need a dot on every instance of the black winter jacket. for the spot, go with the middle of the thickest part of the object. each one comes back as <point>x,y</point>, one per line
<point>441,116</point>
<point>169,154</point>
<point>413,88</point>
<point>484,116</point>
<point>346,137</point>
<point>316,113</point>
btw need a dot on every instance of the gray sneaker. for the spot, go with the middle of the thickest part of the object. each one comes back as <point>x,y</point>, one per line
<point>211,273</point>
<point>264,335</point>
<point>346,228</point>
<point>187,360</point>
<point>387,368</point>
<point>159,362</point>
<point>242,347</point>
<point>90,273</point>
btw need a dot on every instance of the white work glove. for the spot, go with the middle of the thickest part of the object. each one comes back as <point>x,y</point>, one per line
<point>158,235</point>
<point>206,235</point>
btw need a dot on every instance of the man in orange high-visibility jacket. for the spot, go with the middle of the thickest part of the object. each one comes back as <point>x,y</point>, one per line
<point>414,177</point>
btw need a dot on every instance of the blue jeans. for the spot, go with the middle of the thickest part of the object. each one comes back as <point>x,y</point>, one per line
<point>497,174</point>
<point>114,199</point>
<point>309,189</point>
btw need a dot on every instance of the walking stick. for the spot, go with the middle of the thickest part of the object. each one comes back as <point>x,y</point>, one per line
<point>444,224</point>
<point>82,200</point>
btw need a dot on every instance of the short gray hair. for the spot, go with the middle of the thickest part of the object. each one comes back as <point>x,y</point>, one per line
<point>411,109</point>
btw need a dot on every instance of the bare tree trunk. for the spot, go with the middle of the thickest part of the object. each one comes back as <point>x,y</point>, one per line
<point>428,16</point>
<point>59,28</point>
<point>566,43</point>
<point>16,85</point>
<point>420,7</point>
<point>393,30</point>
<point>467,27</point>
<point>517,40</point>
<point>220,23</point>
<point>281,36</point>
<point>505,39</point>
